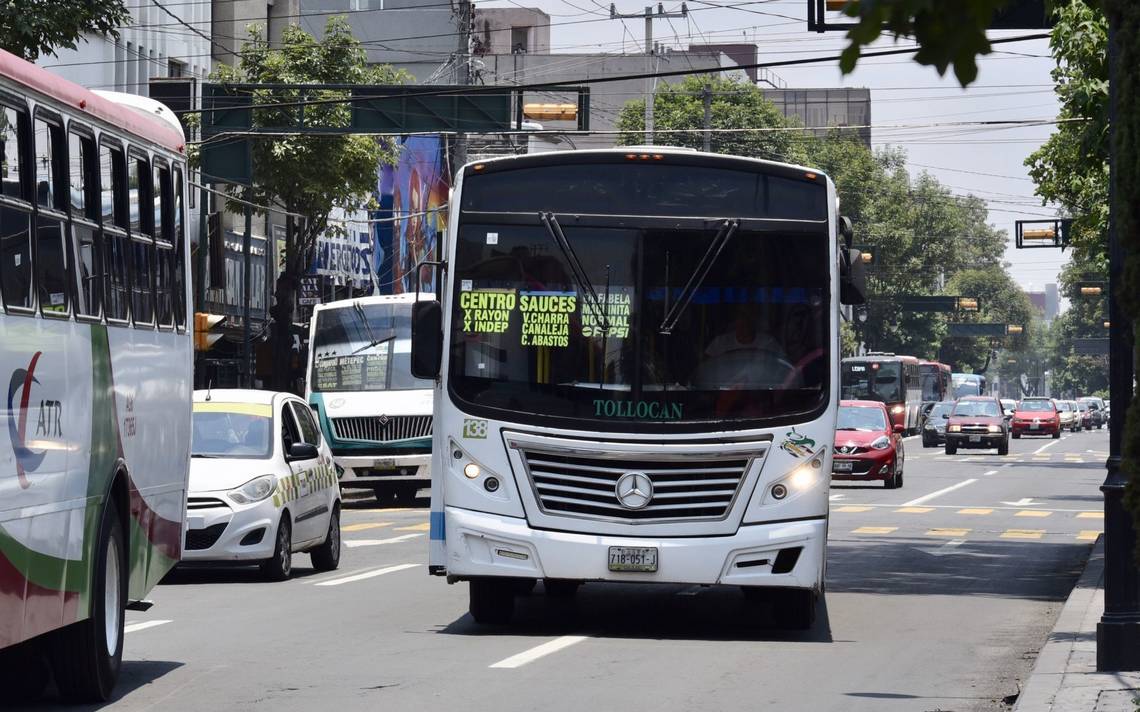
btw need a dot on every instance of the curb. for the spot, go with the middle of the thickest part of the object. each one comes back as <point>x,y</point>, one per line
<point>1064,678</point>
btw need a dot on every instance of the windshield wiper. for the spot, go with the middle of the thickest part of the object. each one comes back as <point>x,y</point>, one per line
<point>727,230</point>
<point>576,271</point>
<point>373,342</point>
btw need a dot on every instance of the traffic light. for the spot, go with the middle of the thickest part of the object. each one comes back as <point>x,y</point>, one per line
<point>203,323</point>
<point>550,112</point>
<point>967,304</point>
<point>1014,329</point>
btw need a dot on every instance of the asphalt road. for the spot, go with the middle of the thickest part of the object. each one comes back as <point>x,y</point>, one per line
<point>939,595</point>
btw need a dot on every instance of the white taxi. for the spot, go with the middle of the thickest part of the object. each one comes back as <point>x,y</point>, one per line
<point>262,483</point>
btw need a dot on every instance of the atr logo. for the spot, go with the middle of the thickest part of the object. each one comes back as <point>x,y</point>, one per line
<point>48,425</point>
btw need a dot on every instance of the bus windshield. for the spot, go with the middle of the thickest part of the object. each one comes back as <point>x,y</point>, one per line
<point>930,377</point>
<point>364,347</point>
<point>616,323</point>
<point>881,381</point>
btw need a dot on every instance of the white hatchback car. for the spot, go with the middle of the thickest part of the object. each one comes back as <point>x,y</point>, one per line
<point>262,483</point>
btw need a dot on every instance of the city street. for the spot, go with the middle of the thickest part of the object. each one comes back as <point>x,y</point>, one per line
<point>939,596</point>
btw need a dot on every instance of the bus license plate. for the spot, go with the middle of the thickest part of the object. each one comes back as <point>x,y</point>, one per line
<point>633,558</point>
<point>842,466</point>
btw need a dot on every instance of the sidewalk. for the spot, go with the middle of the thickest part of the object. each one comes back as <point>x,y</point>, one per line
<point>1065,679</point>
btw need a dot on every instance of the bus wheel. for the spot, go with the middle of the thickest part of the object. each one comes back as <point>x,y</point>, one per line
<point>406,495</point>
<point>86,656</point>
<point>794,608</point>
<point>492,600</point>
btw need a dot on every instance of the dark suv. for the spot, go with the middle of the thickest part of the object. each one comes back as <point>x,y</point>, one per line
<point>977,422</point>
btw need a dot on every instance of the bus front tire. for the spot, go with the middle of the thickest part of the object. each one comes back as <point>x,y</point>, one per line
<point>794,608</point>
<point>87,656</point>
<point>492,600</point>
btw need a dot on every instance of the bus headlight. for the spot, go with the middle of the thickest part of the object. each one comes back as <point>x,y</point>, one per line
<point>255,490</point>
<point>897,409</point>
<point>801,478</point>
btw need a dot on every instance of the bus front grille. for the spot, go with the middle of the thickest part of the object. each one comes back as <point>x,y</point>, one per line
<point>681,488</point>
<point>381,428</point>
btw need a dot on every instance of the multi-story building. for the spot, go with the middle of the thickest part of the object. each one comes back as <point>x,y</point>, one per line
<point>824,109</point>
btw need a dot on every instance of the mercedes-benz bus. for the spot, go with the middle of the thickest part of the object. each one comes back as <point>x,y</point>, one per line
<point>96,356</point>
<point>635,356</point>
<point>376,416</point>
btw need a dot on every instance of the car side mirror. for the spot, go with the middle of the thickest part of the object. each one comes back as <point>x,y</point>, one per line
<point>899,428</point>
<point>427,339</point>
<point>302,451</point>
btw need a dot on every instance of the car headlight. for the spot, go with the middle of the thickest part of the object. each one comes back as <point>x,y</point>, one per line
<point>881,443</point>
<point>993,428</point>
<point>954,428</point>
<point>255,490</point>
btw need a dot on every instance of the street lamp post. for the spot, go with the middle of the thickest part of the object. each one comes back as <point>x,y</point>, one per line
<point>1118,632</point>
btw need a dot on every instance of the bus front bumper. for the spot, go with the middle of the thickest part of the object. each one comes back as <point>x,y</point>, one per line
<point>480,544</point>
<point>371,470</point>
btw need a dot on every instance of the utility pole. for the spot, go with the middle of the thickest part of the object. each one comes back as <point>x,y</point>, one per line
<point>1118,632</point>
<point>706,96</point>
<point>650,15</point>
<point>463,70</point>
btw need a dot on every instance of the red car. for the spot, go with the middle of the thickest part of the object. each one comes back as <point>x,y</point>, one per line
<point>867,446</point>
<point>1036,416</point>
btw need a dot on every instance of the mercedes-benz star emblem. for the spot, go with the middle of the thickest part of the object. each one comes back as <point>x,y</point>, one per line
<point>634,490</point>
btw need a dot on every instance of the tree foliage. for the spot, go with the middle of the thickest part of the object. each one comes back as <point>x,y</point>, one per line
<point>30,28</point>
<point>309,175</point>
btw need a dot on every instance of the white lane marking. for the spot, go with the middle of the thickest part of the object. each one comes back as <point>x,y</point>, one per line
<point>947,548</point>
<point>1023,502</point>
<point>367,575</point>
<point>353,543</point>
<point>991,472</point>
<point>939,493</point>
<point>135,627</point>
<point>834,497</point>
<point>539,651</point>
<point>1046,446</point>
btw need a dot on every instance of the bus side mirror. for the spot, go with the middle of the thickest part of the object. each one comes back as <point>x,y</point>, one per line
<point>852,277</point>
<point>427,339</point>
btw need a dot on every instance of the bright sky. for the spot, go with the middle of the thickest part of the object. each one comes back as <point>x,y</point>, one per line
<point>1013,83</point>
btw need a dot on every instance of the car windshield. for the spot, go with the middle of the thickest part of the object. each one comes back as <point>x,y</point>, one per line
<point>941,409</point>
<point>231,430</point>
<point>1063,407</point>
<point>986,408</point>
<point>364,347</point>
<point>866,418</point>
<point>881,381</point>
<point>1036,405</point>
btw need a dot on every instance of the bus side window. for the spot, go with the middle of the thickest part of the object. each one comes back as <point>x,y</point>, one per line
<point>83,178</point>
<point>16,211</point>
<point>142,241</point>
<point>113,188</point>
<point>51,254</point>
<point>164,264</point>
<point>179,274</point>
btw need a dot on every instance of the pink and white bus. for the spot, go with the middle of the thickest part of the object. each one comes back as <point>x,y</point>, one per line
<point>96,356</point>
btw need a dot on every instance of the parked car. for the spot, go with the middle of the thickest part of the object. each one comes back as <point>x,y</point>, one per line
<point>1036,416</point>
<point>977,422</point>
<point>934,427</point>
<point>1096,406</point>
<point>867,446</point>
<point>1070,415</point>
<point>1086,415</point>
<point>262,483</point>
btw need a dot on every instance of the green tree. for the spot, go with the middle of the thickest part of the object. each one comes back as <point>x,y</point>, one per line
<point>30,28</point>
<point>1001,301</point>
<point>308,175</point>
<point>744,123</point>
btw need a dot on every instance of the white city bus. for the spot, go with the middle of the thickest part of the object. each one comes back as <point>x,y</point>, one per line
<point>637,361</point>
<point>375,414</point>
<point>96,359</point>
